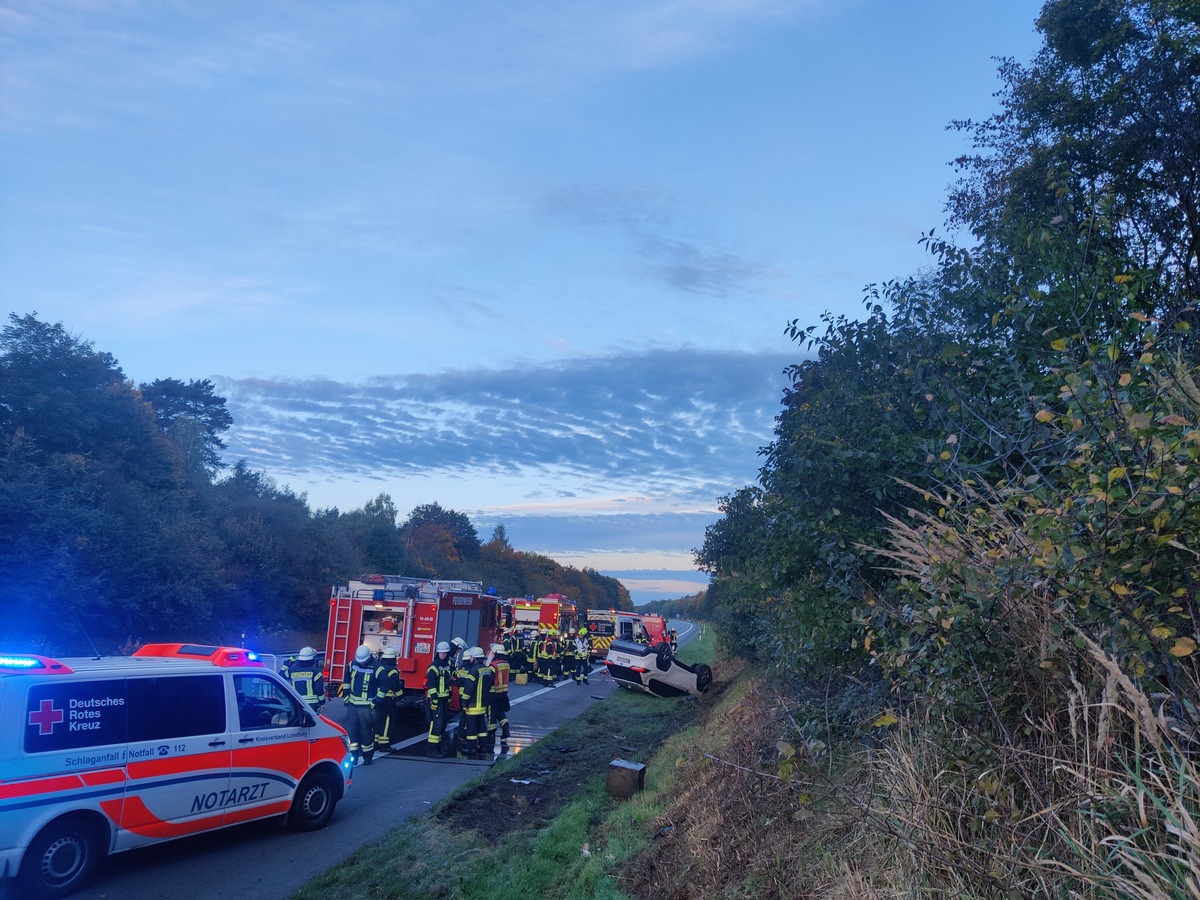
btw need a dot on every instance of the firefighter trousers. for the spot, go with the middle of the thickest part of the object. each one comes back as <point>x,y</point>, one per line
<point>360,726</point>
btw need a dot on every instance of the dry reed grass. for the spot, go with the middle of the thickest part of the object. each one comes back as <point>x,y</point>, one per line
<point>1093,789</point>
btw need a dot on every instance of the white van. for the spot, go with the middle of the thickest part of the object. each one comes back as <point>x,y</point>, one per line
<point>100,755</point>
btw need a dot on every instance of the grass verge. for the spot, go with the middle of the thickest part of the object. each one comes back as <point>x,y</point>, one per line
<point>541,823</point>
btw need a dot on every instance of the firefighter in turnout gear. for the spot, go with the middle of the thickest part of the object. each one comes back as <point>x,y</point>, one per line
<point>474,688</point>
<point>561,662</point>
<point>437,698</point>
<point>583,656</point>
<point>547,654</point>
<point>512,649</point>
<point>362,698</point>
<point>304,673</point>
<point>462,684</point>
<point>481,704</point>
<point>498,716</point>
<point>527,652</point>
<point>391,690</point>
<point>457,647</point>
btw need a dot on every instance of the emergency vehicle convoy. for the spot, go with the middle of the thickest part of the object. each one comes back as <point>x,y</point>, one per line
<point>412,615</point>
<point>104,754</point>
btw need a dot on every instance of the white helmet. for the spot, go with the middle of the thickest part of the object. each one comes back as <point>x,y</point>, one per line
<point>459,643</point>
<point>497,648</point>
<point>390,653</point>
<point>468,654</point>
<point>362,654</point>
<point>476,652</point>
<point>308,653</point>
<point>442,647</point>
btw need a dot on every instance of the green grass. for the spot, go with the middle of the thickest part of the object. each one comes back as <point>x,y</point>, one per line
<point>481,842</point>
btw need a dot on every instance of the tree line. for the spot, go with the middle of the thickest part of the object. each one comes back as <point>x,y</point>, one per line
<point>121,523</point>
<point>981,505</point>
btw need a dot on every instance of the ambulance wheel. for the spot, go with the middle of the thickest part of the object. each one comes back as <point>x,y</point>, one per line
<point>703,677</point>
<point>312,807</point>
<point>61,858</point>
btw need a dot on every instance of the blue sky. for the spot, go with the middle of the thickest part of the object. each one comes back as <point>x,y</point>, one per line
<point>531,261</point>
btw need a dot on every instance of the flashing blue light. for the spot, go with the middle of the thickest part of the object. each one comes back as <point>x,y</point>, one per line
<point>252,656</point>
<point>21,662</point>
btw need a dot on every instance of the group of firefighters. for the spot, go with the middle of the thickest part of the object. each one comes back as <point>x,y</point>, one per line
<point>549,657</point>
<point>460,679</point>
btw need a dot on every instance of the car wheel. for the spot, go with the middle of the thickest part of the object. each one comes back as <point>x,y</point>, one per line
<point>61,858</point>
<point>703,677</point>
<point>663,657</point>
<point>313,805</point>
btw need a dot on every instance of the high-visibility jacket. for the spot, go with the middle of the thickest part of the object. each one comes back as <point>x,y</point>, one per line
<point>391,685</point>
<point>501,669</point>
<point>481,701</point>
<point>306,678</point>
<point>364,684</point>
<point>437,680</point>
<point>465,681</point>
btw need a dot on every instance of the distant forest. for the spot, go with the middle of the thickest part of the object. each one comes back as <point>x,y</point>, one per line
<point>120,522</point>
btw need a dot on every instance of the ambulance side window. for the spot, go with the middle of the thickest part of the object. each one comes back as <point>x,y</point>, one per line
<point>66,715</point>
<point>173,707</point>
<point>265,703</point>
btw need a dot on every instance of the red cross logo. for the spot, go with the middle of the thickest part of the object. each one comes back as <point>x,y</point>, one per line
<point>46,717</point>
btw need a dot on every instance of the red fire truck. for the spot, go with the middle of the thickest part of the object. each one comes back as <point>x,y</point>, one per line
<point>411,614</point>
<point>655,627</point>
<point>553,612</point>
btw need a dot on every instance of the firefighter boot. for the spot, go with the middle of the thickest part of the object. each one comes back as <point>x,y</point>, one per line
<point>434,750</point>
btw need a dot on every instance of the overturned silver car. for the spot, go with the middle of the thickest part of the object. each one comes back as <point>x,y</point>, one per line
<point>655,670</point>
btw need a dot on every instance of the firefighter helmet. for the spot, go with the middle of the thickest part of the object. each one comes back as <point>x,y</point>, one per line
<point>442,647</point>
<point>362,654</point>
<point>307,653</point>
<point>390,653</point>
<point>459,643</point>
<point>468,654</point>
<point>476,652</point>
<point>497,648</point>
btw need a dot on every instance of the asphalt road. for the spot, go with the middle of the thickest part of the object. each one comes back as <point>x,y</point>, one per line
<point>265,861</point>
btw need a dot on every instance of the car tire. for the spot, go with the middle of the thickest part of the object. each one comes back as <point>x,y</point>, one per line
<point>61,858</point>
<point>313,805</point>
<point>703,677</point>
<point>663,657</point>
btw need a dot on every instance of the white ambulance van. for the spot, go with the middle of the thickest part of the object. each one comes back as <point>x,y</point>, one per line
<point>100,755</point>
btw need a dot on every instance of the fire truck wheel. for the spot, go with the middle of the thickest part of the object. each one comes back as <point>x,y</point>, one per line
<point>703,677</point>
<point>312,807</point>
<point>61,858</point>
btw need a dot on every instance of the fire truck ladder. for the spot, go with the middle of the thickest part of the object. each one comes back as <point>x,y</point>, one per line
<point>339,647</point>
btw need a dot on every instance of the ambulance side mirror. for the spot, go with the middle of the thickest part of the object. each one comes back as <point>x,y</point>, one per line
<point>307,720</point>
